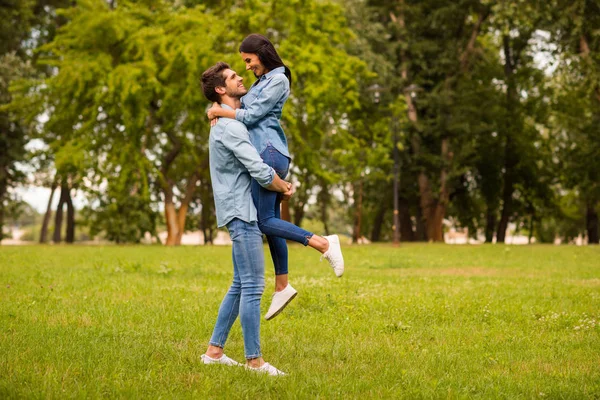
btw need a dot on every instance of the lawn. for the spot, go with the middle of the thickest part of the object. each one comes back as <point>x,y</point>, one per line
<point>417,321</point>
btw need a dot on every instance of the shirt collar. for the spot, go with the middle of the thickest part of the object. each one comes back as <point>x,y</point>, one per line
<point>278,70</point>
<point>225,106</point>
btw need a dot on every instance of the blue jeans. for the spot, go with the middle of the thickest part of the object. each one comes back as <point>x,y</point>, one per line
<point>243,297</point>
<point>267,205</point>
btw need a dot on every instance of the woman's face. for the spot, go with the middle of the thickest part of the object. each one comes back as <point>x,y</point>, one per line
<point>253,64</point>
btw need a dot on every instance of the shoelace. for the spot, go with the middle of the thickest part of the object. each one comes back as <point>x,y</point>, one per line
<point>331,260</point>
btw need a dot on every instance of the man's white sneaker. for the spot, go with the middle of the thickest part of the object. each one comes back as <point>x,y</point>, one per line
<point>280,300</point>
<point>223,360</point>
<point>334,255</point>
<point>267,369</point>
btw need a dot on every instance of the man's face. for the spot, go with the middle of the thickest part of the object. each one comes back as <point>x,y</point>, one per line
<point>234,86</point>
<point>253,64</point>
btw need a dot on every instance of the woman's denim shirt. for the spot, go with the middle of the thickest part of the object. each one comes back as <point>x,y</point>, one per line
<point>261,111</point>
<point>233,160</point>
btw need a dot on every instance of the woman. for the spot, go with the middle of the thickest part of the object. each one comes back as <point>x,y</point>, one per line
<point>261,111</point>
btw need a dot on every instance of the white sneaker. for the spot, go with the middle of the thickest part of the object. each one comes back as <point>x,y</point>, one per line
<point>334,255</point>
<point>267,369</point>
<point>223,360</point>
<point>280,300</point>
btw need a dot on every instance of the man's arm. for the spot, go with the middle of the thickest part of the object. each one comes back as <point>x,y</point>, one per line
<point>236,139</point>
<point>279,185</point>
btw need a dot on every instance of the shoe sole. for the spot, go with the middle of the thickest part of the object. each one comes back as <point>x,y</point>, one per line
<point>276,313</point>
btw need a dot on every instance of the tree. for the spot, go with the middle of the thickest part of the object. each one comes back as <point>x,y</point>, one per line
<point>126,100</point>
<point>577,107</point>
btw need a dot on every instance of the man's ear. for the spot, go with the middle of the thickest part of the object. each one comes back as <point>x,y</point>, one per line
<point>220,90</point>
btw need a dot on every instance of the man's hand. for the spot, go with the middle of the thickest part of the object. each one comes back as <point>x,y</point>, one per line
<point>288,195</point>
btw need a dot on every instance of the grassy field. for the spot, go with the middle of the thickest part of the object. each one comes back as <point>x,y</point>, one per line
<point>418,321</point>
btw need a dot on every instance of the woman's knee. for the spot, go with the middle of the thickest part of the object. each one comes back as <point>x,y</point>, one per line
<point>267,225</point>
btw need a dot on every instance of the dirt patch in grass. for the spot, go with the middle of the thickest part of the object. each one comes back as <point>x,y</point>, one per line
<point>593,282</point>
<point>460,271</point>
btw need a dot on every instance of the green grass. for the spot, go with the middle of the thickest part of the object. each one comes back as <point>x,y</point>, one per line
<point>418,321</point>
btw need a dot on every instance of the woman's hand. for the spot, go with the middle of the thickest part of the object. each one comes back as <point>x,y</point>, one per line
<point>212,113</point>
<point>288,195</point>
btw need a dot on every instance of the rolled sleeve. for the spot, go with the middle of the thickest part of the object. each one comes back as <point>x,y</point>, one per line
<point>237,140</point>
<point>265,102</point>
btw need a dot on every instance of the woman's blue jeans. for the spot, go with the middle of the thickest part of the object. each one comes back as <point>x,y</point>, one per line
<point>243,297</point>
<point>267,205</point>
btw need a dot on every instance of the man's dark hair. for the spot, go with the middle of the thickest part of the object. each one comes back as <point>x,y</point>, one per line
<point>264,49</point>
<point>212,78</point>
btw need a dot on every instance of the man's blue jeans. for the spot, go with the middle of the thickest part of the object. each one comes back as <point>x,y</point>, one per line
<point>267,205</point>
<point>244,295</point>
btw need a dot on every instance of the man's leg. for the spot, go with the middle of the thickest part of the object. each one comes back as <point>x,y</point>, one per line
<point>249,258</point>
<point>228,312</point>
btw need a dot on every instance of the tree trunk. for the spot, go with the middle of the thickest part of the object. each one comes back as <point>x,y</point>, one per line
<point>190,190</point>
<point>323,200</point>
<point>3,190</point>
<point>406,229</point>
<point>378,222</point>
<point>1,222</point>
<point>47,216</point>
<point>171,220</point>
<point>433,209</point>
<point>298,206</point>
<point>507,202</point>
<point>285,211</point>
<point>490,224</point>
<point>167,187</point>
<point>592,224</point>
<point>435,227</point>
<point>207,224</point>
<point>358,195</point>
<point>70,215</point>
<point>531,222</point>
<point>421,231</point>
<point>58,218</point>
<point>510,158</point>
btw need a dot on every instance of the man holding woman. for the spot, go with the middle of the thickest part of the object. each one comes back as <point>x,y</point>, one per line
<point>260,111</point>
<point>247,126</point>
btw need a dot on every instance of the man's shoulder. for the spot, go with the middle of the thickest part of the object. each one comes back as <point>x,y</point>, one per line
<point>232,125</point>
<point>228,126</point>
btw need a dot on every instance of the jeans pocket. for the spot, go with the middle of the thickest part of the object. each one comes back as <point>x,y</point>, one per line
<point>273,158</point>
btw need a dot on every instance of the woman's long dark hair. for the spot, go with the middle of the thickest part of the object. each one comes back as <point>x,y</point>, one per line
<point>264,49</point>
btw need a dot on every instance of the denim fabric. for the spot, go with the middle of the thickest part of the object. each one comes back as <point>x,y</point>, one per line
<point>233,160</point>
<point>269,215</point>
<point>246,290</point>
<point>261,111</point>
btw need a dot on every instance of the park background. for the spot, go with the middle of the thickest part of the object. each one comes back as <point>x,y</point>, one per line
<point>477,118</point>
<point>474,120</point>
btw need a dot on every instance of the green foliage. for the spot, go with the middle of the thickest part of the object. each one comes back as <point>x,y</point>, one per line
<point>118,83</point>
<point>122,221</point>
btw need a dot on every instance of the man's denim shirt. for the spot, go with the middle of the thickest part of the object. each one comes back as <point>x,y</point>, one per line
<point>233,160</point>
<point>261,111</point>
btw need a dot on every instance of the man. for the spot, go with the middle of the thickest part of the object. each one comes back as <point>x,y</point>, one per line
<point>233,162</point>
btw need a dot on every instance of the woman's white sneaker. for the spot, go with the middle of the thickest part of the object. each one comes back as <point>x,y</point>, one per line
<point>334,255</point>
<point>267,369</point>
<point>223,360</point>
<point>280,300</point>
